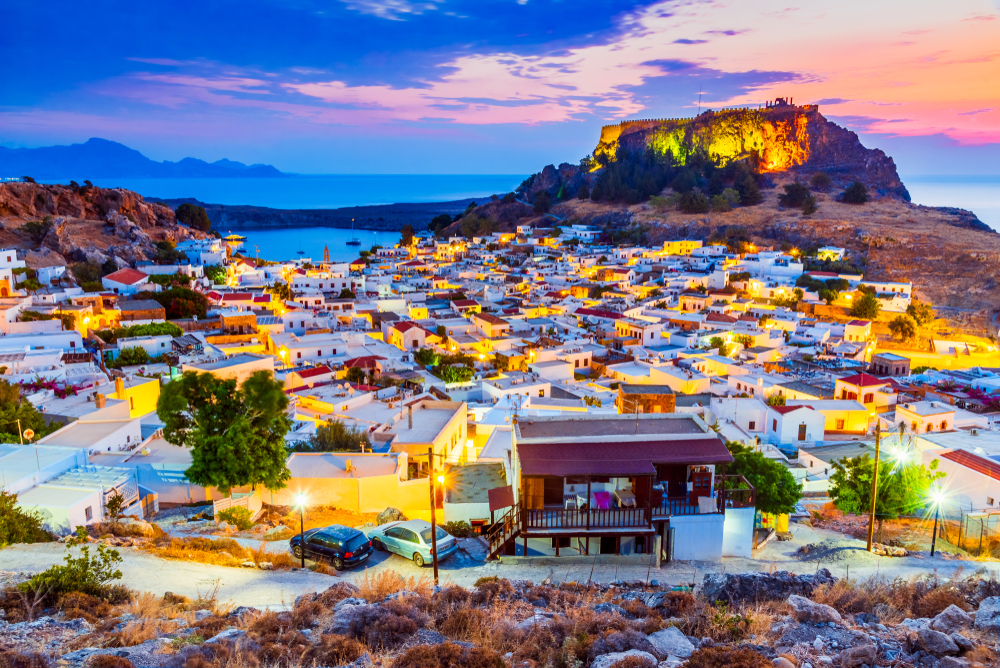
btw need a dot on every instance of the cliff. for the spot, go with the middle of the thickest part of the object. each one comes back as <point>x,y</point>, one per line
<point>85,224</point>
<point>782,137</point>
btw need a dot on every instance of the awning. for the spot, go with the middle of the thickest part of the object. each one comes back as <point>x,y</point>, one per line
<point>500,498</point>
<point>616,458</point>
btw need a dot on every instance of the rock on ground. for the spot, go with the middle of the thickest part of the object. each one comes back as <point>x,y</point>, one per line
<point>951,620</point>
<point>671,642</point>
<point>936,643</point>
<point>741,587</point>
<point>608,660</point>
<point>988,615</point>
<point>805,610</point>
<point>858,656</point>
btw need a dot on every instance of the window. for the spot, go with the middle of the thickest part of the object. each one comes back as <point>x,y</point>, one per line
<point>944,426</point>
<point>319,353</point>
<point>989,500</point>
<point>72,344</point>
<point>751,425</point>
<point>774,425</point>
<point>586,362</point>
<point>840,424</point>
<point>88,513</point>
<point>131,403</point>
<point>869,398</point>
<point>298,355</point>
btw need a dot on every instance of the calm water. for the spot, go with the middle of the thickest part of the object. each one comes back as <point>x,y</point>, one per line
<point>285,244</point>
<point>979,194</point>
<point>323,191</point>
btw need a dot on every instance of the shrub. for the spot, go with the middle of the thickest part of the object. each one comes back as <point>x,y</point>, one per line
<point>239,516</point>
<point>333,650</point>
<point>194,216</point>
<point>212,626</point>
<point>14,659</point>
<point>75,605</point>
<point>109,661</point>
<point>18,525</point>
<point>131,356</point>
<point>543,202</point>
<point>936,600</point>
<point>820,181</point>
<point>634,662</point>
<point>463,624</point>
<point>692,202</point>
<point>86,574</point>
<point>720,204</point>
<point>726,657</point>
<point>584,192</point>
<point>856,193</point>
<point>795,195</point>
<point>374,587</point>
<point>222,655</point>
<point>449,655</point>
<point>809,205</point>
<point>509,198</point>
<point>37,229</point>
<point>460,529</point>
<point>382,627</point>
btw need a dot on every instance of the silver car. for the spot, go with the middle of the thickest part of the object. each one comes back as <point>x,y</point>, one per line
<point>412,539</point>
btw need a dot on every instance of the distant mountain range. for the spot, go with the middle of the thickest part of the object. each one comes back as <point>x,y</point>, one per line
<point>100,158</point>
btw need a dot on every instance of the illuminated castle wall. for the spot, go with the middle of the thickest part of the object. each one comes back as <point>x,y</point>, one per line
<point>778,133</point>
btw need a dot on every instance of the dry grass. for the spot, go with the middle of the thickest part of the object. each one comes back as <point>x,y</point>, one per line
<point>726,657</point>
<point>15,659</point>
<point>448,655</point>
<point>135,633</point>
<point>219,552</point>
<point>375,586</point>
<point>324,516</point>
<point>894,600</point>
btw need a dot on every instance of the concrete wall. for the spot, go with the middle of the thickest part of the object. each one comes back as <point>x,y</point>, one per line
<point>737,533</point>
<point>698,537</point>
<point>466,512</point>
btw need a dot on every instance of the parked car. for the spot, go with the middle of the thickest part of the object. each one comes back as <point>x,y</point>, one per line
<point>412,539</point>
<point>339,545</point>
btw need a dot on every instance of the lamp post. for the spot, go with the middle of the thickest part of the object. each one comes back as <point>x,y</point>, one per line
<point>440,480</point>
<point>871,518</point>
<point>937,497</point>
<point>301,502</point>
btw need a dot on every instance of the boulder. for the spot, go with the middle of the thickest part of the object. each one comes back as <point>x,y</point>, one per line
<point>342,617</point>
<point>349,601</point>
<point>782,662</point>
<point>243,611</point>
<point>537,619</point>
<point>915,624</point>
<point>805,610</point>
<point>741,587</point>
<point>608,660</point>
<point>988,615</point>
<point>671,642</point>
<point>390,515</point>
<point>201,614</point>
<point>951,620</point>
<point>405,593</point>
<point>953,662</point>
<point>611,609</point>
<point>277,533</point>
<point>862,655</point>
<point>228,634</point>
<point>964,644</point>
<point>936,643</point>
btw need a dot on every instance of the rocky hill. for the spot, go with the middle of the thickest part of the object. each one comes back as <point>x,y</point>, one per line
<point>85,223</point>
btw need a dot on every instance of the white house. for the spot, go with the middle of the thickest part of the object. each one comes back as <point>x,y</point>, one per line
<point>127,281</point>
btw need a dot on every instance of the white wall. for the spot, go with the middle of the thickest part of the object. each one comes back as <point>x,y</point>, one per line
<point>698,537</point>
<point>466,512</point>
<point>737,534</point>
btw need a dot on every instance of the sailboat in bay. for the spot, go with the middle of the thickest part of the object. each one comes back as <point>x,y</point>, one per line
<point>354,240</point>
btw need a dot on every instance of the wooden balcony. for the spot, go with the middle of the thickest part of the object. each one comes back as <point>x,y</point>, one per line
<point>545,519</point>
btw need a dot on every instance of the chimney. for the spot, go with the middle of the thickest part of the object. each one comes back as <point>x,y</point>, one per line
<point>119,388</point>
<point>100,401</point>
<point>411,416</point>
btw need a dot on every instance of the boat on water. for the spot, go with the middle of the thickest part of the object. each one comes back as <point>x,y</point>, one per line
<point>354,241</point>
<point>301,252</point>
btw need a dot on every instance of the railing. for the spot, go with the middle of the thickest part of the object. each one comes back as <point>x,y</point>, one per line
<point>678,506</point>
<point>251,502</point>
<point>503,530</point>
<point>571,518</point>
<point>735,491</point>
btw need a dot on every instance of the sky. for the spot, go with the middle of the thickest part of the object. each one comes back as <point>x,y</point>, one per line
<point>489,86</point>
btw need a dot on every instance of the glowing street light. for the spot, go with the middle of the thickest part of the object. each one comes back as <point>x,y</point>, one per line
<point>300,501</point>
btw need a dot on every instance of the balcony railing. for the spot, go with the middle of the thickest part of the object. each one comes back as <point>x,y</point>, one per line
<point>572,518</point>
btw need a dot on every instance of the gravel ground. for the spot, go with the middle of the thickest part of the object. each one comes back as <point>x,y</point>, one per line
<point>276,588</point>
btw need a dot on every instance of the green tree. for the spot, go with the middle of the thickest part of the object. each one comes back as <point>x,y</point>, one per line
<point>178,302</point>
<point>809,205</point>
<point>693,202</point>
<point>584,192</point>
<point>866,306</point>
<point>236,433</point>
<point>776,400</point>
<point>820,181</point>
<point>902,489</point>
<point>776,488</point>
<point>167,253</point>
<point>454,373</point>
<point>335,436</point>
<point>281,291</point>
<point>406,235</point>
<point>216,274</point>
<point>827,295</point>
<point>921,312</point>
<point>794,196</point>
<point>427,357</point>
<point>131,356</point>
<point>37,229</point>
<point>193,216</point>
<point>14,408</point>
<point>543,202</point>
<point>346,294</point>
<point>856,193</point>
<point>720,204</point>
<point>439,223</point>
<point>18,525</point>
<point>903,327</point>
<point>746,186</point>
<point>355,375</point>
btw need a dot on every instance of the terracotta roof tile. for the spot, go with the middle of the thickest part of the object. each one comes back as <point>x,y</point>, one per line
<point>127,276</point>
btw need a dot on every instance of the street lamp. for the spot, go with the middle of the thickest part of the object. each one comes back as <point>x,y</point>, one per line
<point>440,480</point>
<point>937,497</point>
<point>300,501</point>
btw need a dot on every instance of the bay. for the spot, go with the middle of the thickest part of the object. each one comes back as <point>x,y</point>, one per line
<point>322,191</point>
<point>285,244</point>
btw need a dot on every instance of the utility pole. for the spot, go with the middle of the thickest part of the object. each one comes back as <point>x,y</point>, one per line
<point>871,517</point>
<point>434,542</point>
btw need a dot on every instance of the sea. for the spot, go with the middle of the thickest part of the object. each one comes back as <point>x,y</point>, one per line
<point>979,194</point>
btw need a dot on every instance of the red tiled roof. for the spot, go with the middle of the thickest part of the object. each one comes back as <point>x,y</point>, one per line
<point>719,317</point>
<point>263,299</point>
<point>213,295</point>
<point>413,263</point>
<point>863,380</point>
<point>615,458</point>
<point>987,467</point>
<point>127,276</point>
<point>465,302</point>
<point>788,409</point>
<point>315,371</point>
<point>366,361</point>
<point>237,297</point>
<point>859,323</point>
<point>597,313</point>
<point>405,326</point>
<point>748,318</point>
<point>822,273</point>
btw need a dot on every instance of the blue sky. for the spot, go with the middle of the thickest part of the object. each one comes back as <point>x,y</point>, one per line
<point>494,86</point>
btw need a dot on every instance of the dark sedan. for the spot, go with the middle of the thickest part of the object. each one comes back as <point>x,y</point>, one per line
<point>336,544</point>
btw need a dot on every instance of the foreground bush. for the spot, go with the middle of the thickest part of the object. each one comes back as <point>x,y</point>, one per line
<point>85,574</point>
<point>18,525</point>
<point>724,657</point>
<point>238,516</point>
<point>448,655</point>
<point>15,659</point>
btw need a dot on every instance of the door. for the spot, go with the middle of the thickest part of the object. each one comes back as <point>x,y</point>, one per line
<point>553,493</point>
<point>802,432</point>
<point>391,539</point>
<point>316,547</point>
<point>409,543</point>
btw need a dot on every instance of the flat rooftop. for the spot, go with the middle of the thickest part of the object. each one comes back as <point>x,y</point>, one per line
<point>334,465</point>
<point>429,418</point>
<point>608,425</point>
<point>227,362</point>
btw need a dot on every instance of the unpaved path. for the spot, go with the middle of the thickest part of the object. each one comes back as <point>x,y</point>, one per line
<point>245,586</point>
